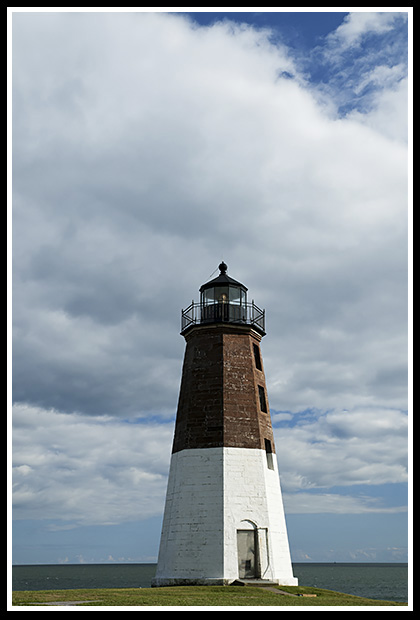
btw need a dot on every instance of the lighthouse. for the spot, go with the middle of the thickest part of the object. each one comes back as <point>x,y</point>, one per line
<point>224,518</point>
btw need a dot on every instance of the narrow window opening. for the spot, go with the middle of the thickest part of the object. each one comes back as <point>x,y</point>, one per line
<point>269,454</point>
<point>263,402</point>
<point>257,357</point>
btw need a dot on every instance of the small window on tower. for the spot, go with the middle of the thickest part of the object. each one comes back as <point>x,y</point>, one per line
<point>269,454</point>
<point>257,357</point>
<point>263,402</point>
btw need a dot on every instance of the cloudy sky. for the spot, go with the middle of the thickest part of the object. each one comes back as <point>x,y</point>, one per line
<point>146,148</point>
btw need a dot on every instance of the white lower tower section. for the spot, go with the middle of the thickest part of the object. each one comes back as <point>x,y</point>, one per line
<point>224,519</point>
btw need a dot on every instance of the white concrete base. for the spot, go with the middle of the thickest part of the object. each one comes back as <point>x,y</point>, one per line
<point>212,493</point>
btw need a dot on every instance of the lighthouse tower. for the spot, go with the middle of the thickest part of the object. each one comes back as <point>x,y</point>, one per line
<point>224,518</point>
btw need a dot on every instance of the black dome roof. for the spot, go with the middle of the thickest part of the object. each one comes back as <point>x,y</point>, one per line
<point>222,280</point>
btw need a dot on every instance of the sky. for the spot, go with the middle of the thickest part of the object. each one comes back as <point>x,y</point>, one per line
<point>148,146</point>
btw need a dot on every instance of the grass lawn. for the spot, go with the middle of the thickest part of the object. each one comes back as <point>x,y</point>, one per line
<point>198,596</point>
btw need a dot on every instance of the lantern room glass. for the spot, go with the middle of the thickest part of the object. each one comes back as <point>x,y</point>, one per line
<point>223,294</point>
<point>225,303</point>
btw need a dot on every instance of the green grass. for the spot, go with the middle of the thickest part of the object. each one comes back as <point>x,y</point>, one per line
<point>198,596</point>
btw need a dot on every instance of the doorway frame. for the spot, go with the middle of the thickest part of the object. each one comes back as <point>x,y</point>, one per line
<point>248,526</point>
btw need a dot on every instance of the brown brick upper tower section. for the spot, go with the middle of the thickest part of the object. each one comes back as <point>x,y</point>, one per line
<point>223,396</point>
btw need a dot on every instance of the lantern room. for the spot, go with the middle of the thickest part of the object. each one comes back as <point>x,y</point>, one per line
<point>223,300</point>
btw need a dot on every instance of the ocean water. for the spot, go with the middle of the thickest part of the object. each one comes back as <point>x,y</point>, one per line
<point>387,582</point>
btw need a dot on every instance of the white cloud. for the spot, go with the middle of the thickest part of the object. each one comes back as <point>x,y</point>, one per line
<point>101,470</point>
<point>145,151</point>
<point>87,470</point>
<point>389,115</point>
<point>384,76</point>
<point>343,448</point>
<point>333,503</point>
<point>357,25</point>
<point>363,66</point>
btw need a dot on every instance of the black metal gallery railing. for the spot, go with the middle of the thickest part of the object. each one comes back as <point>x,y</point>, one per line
<point>245,314</point>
